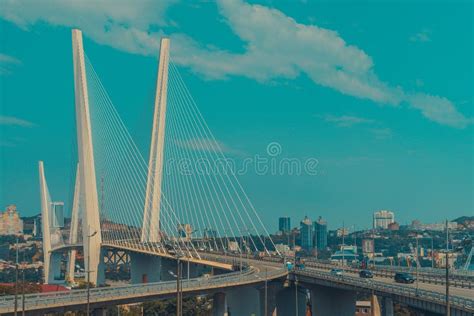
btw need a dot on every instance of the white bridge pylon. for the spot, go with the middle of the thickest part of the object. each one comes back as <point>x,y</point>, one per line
<point>151,212</point>
<point>91,232</point>
<point>213,206</point>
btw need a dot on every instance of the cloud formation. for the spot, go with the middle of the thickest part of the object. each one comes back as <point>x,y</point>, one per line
<point>14,121</point>
<point>347,120</point>
<point>207,145</point>
<point>6,62</point>
<point>422,36</point>
<point>276,46</point>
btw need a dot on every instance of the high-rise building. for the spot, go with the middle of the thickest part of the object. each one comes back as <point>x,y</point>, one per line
<point>10,222</point>
<point>37,229</point>
<point>320,228</point>
<point>383,218</point>
<point>284,225</point>
<point>57,209</point>
<point>306,234</point>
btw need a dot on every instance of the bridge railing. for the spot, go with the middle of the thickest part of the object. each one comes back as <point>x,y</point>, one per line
<point>425,295</point>
<point>423,276</point>
<point>429,270</point>
<point>77,297</point>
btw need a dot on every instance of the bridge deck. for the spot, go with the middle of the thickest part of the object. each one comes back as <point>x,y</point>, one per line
<point>134,247</point>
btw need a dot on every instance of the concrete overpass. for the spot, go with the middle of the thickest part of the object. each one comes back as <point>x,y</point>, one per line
<point>286,291</point>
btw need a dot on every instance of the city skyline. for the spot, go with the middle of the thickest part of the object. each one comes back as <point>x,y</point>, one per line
<point>236,157</point>
<point>370,157</point>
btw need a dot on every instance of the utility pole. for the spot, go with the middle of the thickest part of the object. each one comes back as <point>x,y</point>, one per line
<point>373,241</point>
<point>448,307</point>
<point>342,248</point>
<point>432,253</point>
<point>88,287</point>
<point>240,248</point>
<point>16,280</point>
<point>23,287</point>
<point>417,263</point>
<point>266,293</point>
<point>179,311</point>
<point>296,296</point>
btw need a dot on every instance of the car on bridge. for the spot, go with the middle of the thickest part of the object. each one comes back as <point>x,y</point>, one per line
<point>336,271</point>
<point>403,277</point>
<point>366,274</point>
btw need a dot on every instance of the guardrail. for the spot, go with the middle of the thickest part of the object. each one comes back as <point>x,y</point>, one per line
<point>425,275</point>
<point>425,295</point>
<point>390,273</point>
<point>77,297</point>
<point>436,271</point>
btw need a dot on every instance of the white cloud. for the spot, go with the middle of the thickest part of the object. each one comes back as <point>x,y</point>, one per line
<point>438,109</point>
<point>423,36</point>
<point>207,145</point>
<point>347,120</point>
<point>6,62</point>
<point>14,121</point>
<point>381,133</point>
<point>275,46</point>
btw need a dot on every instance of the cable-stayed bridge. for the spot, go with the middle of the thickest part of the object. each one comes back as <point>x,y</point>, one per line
<point>183,204</point>
<point>182,200</point>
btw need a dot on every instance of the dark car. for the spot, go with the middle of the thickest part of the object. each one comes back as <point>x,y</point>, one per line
<point>404,278</point>
<point>366,274</point>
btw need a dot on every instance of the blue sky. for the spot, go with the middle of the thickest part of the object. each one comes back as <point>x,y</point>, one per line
<point>379,92</point>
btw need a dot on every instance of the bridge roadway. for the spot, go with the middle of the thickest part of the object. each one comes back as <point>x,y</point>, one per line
<point>254,275</point>
<point>425,275</point>
<point>149,250</point>
<point>39,304</point>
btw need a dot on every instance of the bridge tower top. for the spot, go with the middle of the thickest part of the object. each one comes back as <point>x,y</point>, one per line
<point>151,213</point>
<point>88,186</point>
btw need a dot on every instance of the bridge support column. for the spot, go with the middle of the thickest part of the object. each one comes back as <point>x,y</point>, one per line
<point>331,301</point>
<point>54,273</point>
<point>219,304</point>
<point>271,300</point>
<point>99,312</point>
<point>144,268</point>
<point>168,269</point>
<point>291,301</point>
<point>243,301</point>
<point>388,306</point>
<point>375,306</point>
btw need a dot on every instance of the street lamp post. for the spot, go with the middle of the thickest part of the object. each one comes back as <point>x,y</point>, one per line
<point>23,286</point>
<point>178,290</point>
<point>16,280</point>
<point>448,307</point>
<point>88,287</point>
<point>296,297</point>
<point>432,253</point>
<point>240,251</point>
<point>343,242</point>
<point>417,263</point>
<point>266,293</point>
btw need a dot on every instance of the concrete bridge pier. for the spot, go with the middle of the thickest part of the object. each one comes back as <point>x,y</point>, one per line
<point>219,304</point>
<point>99,312</point>
<point>54,273</point>
<point>388,306</point>
<point>332,301</point>
<point>291,299</point>
<point>251,301</point>
<point>243,301</point>
<point>271,299</point>
<point>169,267</point>
<point>144,268</point>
